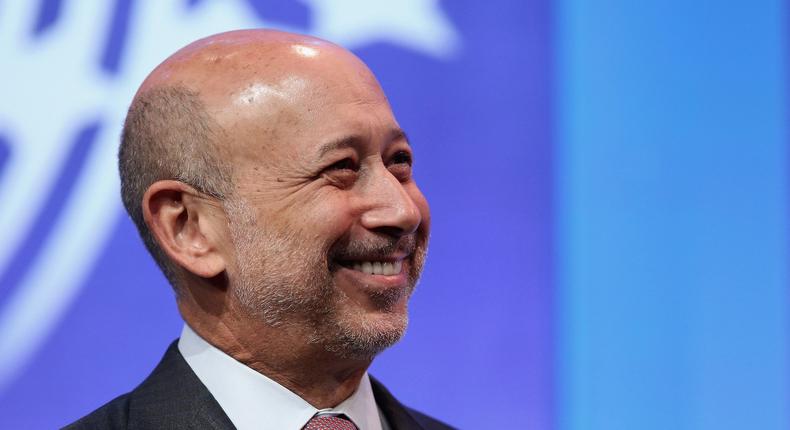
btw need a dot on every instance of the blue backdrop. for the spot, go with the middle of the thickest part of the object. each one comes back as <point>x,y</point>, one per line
<point>608,185</point>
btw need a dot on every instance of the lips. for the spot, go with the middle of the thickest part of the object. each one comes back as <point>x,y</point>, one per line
<point>375,267</point>
<point>377,281</point>
<point>375,260</point>
<point>380,284</point>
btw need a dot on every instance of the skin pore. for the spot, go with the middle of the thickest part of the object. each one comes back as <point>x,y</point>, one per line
<point>304,272</point>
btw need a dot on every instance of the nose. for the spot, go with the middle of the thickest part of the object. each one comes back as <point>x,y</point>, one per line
<point>390,208</point>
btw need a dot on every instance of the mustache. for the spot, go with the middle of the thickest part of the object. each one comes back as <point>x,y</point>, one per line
<point>374,248</point>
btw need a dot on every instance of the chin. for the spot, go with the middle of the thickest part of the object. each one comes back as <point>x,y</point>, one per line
<point>363,335</point>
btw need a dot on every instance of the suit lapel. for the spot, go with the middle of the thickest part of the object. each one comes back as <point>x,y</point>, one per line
<point>173,397</point>
<point>397,415</point>
<point>209,417</point>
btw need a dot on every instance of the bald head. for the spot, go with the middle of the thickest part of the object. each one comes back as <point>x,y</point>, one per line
<point>225,61</point>
<point>200,114</point>
<point>249,70</point>
<point>273,185</point>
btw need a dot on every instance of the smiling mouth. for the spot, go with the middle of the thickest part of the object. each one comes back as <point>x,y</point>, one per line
<point>385,268</point>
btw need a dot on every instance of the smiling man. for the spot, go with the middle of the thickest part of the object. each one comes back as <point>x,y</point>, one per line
<point>270,181</point>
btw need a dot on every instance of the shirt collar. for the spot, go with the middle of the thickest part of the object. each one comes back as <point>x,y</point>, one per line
<point>253,401</point>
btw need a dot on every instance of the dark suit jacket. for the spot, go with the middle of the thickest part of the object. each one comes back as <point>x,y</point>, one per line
<point>173,397</point>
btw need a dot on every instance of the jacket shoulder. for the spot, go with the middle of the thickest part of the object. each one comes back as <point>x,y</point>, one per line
<point>112,415</point>
<point>428,422</point>
<point>171,397</point>
<point>400,416</point>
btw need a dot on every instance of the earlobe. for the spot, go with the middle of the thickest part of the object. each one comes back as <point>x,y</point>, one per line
<point>186,227</point>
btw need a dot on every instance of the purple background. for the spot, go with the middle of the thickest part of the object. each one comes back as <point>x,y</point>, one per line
<point>480,124</point>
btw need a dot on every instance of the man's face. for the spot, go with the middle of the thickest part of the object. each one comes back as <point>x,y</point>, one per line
<point>329,228</point>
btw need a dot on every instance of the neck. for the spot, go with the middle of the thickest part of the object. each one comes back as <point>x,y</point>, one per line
<point>283,354</point>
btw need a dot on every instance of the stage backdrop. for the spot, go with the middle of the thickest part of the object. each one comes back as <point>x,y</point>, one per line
<point>608,185</point>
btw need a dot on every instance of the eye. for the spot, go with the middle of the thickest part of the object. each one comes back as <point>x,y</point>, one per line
<point>341,174</point>
<point>402,157</point>
<point>400,165</point>
<point>344,164</point>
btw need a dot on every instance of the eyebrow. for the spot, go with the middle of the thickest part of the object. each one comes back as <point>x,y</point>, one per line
<point>352,141</point>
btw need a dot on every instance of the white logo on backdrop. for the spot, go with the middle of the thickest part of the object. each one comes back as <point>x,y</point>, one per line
<point>52,86</point>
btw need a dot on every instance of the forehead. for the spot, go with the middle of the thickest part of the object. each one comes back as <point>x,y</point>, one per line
<point>296,109</point>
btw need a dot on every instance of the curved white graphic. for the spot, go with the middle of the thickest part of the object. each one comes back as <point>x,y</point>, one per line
<point>53,86</point>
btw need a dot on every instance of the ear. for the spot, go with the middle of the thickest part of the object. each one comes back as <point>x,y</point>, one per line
<point>190,228</point>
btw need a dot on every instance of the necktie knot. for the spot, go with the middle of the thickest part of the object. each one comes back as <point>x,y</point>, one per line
<point>330,422</point>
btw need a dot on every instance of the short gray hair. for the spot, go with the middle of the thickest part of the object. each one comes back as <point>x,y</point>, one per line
<point>169,134</point>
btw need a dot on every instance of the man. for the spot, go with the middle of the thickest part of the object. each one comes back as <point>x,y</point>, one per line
<point>273,186</point>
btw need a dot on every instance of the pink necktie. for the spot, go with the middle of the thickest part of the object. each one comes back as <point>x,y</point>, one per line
<point>329,422</point>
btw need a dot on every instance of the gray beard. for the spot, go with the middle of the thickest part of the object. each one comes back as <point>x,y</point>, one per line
<point>302,296</point>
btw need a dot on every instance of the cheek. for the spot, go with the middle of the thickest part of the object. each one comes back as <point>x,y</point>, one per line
<point>329,217</point>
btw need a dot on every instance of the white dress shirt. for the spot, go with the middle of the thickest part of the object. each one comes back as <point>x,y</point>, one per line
<point>253,401</point>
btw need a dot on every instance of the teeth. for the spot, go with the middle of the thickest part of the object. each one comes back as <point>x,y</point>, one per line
<point>378,267</point>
